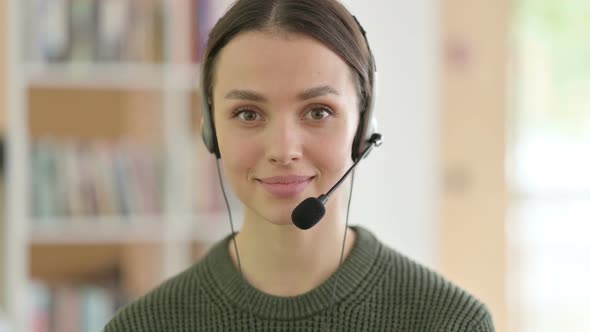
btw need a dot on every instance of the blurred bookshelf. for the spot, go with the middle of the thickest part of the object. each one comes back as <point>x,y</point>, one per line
<point>110,189</point>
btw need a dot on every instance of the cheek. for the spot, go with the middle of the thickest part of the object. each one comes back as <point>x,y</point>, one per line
<point>333,155</point>
<point>238,155</point>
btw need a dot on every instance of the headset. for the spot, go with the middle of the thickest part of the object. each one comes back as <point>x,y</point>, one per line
<point>367,122</point>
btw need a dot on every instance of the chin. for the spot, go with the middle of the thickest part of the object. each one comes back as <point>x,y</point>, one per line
<point>272,210</point>
<point>278,216</point>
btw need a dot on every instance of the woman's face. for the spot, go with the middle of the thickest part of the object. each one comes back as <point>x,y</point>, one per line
<point>285,112</point>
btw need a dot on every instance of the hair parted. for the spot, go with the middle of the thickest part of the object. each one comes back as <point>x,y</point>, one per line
<point>327,21</point>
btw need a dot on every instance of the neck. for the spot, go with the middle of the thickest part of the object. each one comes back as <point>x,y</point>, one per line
<point>283,260</point>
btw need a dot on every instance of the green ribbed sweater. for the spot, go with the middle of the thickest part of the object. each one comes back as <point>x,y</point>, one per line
<point>378,290</point>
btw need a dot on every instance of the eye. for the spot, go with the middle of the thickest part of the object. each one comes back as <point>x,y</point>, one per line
<point>319,113</point>
<point>247,115</point>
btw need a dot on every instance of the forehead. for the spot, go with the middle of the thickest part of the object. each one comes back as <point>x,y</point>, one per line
<point>279,62</point>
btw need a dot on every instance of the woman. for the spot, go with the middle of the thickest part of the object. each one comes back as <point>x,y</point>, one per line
<point>288,87</point>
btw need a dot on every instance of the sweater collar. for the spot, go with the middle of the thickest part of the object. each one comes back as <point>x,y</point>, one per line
<point>352,275</point>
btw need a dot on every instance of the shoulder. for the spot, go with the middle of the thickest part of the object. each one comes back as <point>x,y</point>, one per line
<point>159,309</point>
<point>420,294</point>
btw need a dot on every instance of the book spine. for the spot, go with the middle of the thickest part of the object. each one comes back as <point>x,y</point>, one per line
<point>113,25</point>
<point>83,15</point>
<point>50,27</point>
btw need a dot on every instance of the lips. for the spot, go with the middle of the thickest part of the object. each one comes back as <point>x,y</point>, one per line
<point>285,186</point>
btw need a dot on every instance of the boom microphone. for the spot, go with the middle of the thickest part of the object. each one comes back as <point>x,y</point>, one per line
<point>312,209</point>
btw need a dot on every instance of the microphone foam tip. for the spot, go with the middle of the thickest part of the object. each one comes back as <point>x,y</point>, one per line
<point>308,213</point>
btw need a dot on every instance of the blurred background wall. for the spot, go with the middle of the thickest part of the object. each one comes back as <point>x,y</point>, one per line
<point>395,191</point>
<point>435,189</point>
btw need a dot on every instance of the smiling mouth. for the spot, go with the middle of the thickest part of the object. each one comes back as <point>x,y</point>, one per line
<point>285,186</point>
<point>288,179</point>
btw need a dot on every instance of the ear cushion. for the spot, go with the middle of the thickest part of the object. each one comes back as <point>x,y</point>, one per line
<point>208,128</point>
<point>367,127</point>
<point>367,122</point>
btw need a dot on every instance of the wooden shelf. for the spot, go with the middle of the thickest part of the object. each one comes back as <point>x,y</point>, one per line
<point>125,76</point>
<point>66,263</point>
<point>95,114</point>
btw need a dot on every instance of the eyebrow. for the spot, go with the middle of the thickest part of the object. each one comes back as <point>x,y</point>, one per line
<point>256,97</point>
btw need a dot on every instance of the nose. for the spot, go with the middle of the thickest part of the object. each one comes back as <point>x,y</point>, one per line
<point>284,143</point>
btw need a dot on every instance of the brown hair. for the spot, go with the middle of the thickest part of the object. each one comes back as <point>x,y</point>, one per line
<point>327,21</point>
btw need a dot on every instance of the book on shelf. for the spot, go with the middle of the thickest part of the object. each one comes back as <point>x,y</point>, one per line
<point>88,31</point>
<point>74,203</point>
<point>98,306</point>
<point>113,25</point>
<point>47,30</point>
<point>88,182</point>
<point>83,179</point>
<point>82,29</point>
<point>65,312</point>
<point>71,179</point>
<point>40,307</point>
<point>45,189</point>
<point>73,307</point>
<point>146,31</point>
